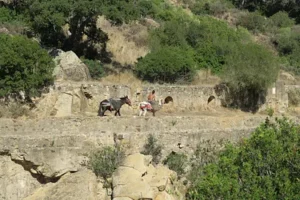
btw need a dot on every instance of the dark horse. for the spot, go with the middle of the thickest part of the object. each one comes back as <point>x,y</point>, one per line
<point>113,104</point>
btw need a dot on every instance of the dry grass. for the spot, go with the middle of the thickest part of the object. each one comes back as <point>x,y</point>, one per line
<point>127,42</point>
<point>124,78</point>
<point>14,110</point>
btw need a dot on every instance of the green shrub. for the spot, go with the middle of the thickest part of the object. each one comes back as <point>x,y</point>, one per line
<point>152,148</point>
<point>270,112</point>
<point>95,68</point>
<point>245,76</point>
<point>281,20</point>
<point>266,166</point>
<point>105,161</point>
<point>176,162</point>
<point>253,22</point>
<point>168,64</point>
<point>25,66</point>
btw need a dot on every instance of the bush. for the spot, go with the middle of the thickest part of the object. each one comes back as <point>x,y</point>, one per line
<point>95,68</point>
<point>245,76</point>
<point>176,162</point>
<point>152,148</point>
<point>266,166</point>
<point>105,161</point>
<point>25,66</point>
<point>168,64</point>
<point>253,22</point>
<point>281,20</point>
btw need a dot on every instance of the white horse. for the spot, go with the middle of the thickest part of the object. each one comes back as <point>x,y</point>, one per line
<point>152,106</point>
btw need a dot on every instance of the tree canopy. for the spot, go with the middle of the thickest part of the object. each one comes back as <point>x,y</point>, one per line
<point>24,66</point>
<point>266,166</point>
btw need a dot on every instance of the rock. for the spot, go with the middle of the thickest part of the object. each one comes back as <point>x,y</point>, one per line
<point>137,161</point>
<point>63,105</point>
<point>122,198</point>
<point>164,196</point>
<point>4,30</point>
<point>161,177</point>
<point>123,174</point>
<point>78,186</point>
<point>70,67</point>
<point>15,182</point>
<point>134,189</point>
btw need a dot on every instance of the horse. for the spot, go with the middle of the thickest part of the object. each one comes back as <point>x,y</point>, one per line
<point>113,104</point>
<point>152,106</point>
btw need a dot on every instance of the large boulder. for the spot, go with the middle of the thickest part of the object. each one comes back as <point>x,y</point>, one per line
<point>137,179</point>
<point>78,186</point>
<point>70,67</point>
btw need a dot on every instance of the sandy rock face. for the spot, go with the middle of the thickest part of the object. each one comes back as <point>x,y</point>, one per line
<point>81,185</point>
<point>137,179</point>
<point>70,67</point>
<point>15,182</point>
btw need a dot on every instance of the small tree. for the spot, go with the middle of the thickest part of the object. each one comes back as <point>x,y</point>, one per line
<point>152,148</point>
<point>95,68</point>
<point>176,162</point>
<point>105,161</point>
<point>168,64</point>
<point>24,66</point>
<point>249,71</point>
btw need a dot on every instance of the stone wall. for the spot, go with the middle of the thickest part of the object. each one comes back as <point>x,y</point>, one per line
<point>66,99</point>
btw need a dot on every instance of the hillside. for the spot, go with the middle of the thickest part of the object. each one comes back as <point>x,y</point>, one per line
<point>225,75</point>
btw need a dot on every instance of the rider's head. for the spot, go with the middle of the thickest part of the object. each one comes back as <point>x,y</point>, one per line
<point>153,91</point>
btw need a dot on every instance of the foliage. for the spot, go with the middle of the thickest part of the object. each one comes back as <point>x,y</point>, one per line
<point>250,70</point>
<point>266,166</point>
<point>270,7</point>
<point>287,42</point>
<point>25,66</point>
<point>105,161</point>
<point>210,7</point>
<point>270,112</point>
<point>152,148</point>
<point>168,64</point>
<point>176,162</point>
<point>281,20</point>
<point>95,68</point>
<point>253,22</point>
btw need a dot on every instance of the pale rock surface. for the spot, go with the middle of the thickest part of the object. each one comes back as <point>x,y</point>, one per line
<point>164,196</point>
<point>137,178</point>
<point>63,105</point>
<point>15,182</point>
<point>78,186</point>
<point>138,162</point>
<point>70,67</point>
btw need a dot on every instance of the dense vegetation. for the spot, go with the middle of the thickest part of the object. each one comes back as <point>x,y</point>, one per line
<point>24,66</point>
<point>266,166</point>
<point>181,45</point>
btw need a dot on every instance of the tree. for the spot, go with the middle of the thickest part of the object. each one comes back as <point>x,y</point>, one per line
<point>168,64</point>
<point>266,166</point>
<point>249,70</point>
<point>24,66</point>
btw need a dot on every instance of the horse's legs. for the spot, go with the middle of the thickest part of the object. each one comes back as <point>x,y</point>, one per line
<point>145,112</point>
<point>119,113</point>
<point>141,111</point>
<point>153,113</point>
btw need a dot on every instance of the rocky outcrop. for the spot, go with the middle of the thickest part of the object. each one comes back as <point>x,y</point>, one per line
<point>70,67</point>
<point>137,179</point>
<point>82,185</point>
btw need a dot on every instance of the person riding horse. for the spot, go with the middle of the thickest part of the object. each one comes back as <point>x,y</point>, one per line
<point>151,96</point>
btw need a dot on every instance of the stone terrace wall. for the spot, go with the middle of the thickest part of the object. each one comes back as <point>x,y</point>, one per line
<point>66,98</point>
